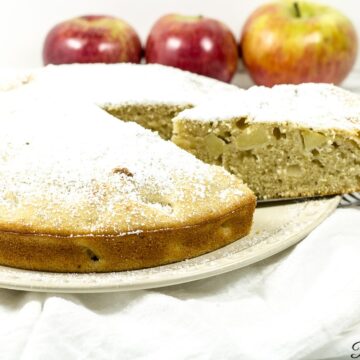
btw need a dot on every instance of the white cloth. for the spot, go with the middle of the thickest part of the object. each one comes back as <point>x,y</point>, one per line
<point>301,304</point>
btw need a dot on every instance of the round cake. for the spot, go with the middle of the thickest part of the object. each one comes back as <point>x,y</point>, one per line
<point>85,188</point>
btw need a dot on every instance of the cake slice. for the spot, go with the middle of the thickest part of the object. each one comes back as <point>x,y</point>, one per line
<point>81,191</point>
<point>285,141</point>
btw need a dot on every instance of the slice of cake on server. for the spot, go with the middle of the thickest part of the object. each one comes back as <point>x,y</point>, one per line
<point>285,141</point>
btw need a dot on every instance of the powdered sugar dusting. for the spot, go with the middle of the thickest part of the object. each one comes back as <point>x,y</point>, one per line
<point>224,194</point>
<point>318,106</point>
<point>11,78</point>
<point>69,166</point>
<point>121,84</point>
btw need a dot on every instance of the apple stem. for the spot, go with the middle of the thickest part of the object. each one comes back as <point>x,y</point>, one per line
<point>297,9</point>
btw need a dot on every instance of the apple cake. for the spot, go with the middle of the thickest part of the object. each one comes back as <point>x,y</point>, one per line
<point>81,191</point>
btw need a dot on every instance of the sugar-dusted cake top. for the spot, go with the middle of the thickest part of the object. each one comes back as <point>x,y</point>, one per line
<point>311,105</point>
<point>68,167</point>
<point>318,106</point>
<point>132,83</point>
<point>11,78</point>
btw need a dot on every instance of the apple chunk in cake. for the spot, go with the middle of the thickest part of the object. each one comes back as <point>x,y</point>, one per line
<point>287,141</point>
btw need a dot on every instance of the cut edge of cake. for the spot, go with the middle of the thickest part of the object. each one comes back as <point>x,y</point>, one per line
<point>287,141</point>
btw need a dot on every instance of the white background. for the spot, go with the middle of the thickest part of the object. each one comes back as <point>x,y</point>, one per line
<point>24,23</point>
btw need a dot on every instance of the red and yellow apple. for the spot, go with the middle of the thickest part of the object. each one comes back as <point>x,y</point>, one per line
<point>198,44</point>
<point>92,39</point>
<point>295,42</point>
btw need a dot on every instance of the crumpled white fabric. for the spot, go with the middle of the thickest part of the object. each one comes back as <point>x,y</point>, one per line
<point>301,304</point>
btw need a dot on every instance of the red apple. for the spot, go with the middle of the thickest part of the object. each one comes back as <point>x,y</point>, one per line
<point>194,43</point>
<point>295,42</point>
<point>92,39</point>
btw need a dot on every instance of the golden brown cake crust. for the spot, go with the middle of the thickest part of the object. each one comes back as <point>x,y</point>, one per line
<point>127,251</point>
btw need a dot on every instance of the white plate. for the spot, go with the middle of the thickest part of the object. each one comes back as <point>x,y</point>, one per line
<point>275,228</point>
